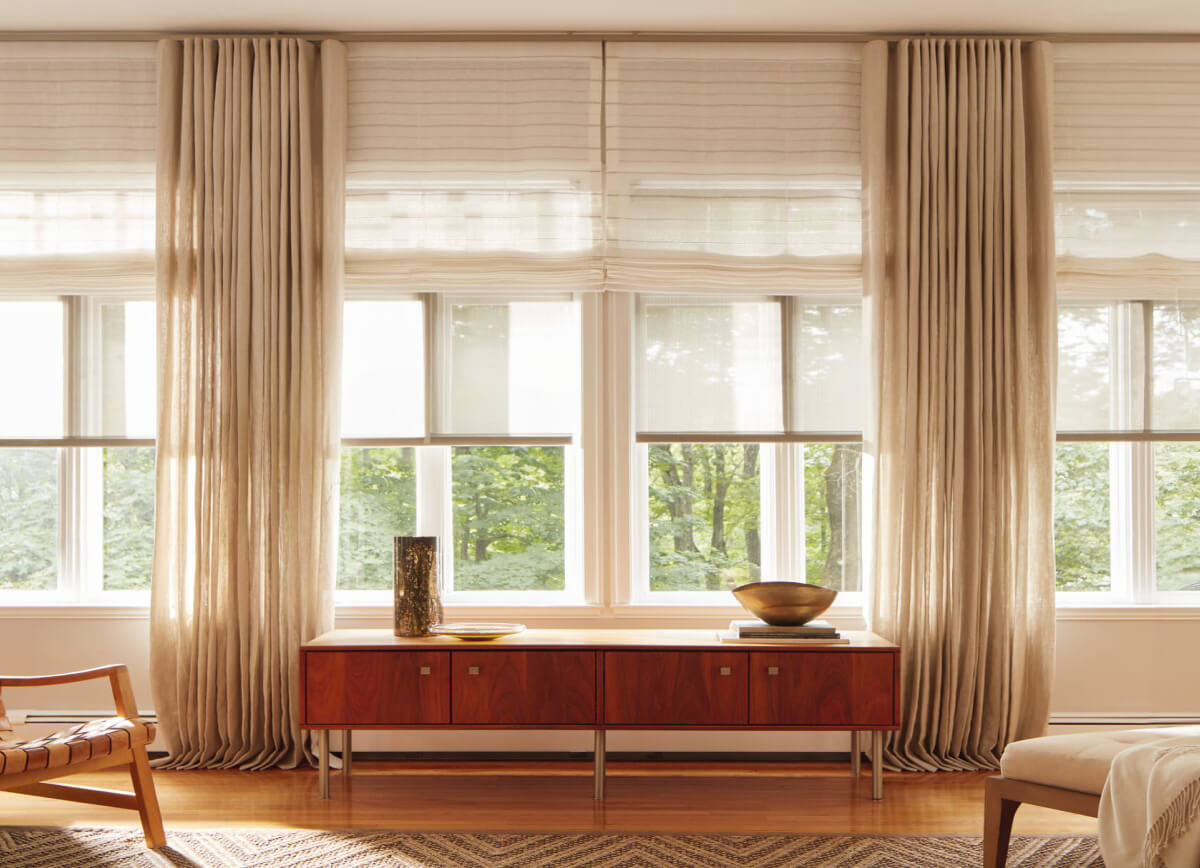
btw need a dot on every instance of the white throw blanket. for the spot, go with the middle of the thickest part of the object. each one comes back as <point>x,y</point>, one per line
<point>1150,807</point>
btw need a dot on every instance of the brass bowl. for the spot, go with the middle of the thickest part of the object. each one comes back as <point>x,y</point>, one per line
<point>785,604</point>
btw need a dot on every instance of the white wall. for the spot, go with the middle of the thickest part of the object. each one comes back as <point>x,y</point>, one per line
<point>1122,667</point>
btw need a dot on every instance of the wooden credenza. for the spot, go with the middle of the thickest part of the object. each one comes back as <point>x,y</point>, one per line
<point>598,680</point>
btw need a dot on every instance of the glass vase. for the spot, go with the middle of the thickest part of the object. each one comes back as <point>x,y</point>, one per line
<point>418,604</point>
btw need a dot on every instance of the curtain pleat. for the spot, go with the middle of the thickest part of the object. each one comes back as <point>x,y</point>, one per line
<point>960,287</point>
<point>250,178</point>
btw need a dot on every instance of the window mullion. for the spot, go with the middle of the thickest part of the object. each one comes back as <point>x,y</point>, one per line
<point>787,311</point>
<point>431,309</point>
<point>1142,516</point>
<point>71,547</point>
<point>435,506</point>
<point>783,500</point>
<point>626,516</point>
<point>591,498</point>
<point>1123,561</point>
<point>75,482</point>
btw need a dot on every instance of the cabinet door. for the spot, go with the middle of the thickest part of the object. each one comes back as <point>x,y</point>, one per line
<point>524,687</point>
<point>377,687</point>
<point>821,688</point>
<point>675,688</point>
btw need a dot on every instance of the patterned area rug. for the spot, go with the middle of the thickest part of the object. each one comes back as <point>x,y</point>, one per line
<point>96,848</point>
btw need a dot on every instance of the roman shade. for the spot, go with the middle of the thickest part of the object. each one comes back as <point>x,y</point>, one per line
<point>732,168</point>
<point>77,136</point>
<point>1127,170</point>
<point>473,166</point>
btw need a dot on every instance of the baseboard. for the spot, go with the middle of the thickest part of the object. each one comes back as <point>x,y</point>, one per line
<point>34,717</point>
<point>1060,721</point>
<point>1124,719</point>
<point>618,756</point>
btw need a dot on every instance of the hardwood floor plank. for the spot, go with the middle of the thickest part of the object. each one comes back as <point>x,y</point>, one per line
<point>800,798</point>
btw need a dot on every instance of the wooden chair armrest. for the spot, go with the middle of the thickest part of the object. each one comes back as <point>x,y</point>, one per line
<point>117,675</point>
<point>63,678</point>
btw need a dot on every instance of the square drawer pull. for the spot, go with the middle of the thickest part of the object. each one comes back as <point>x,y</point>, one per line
<point>772,670</point>
<point>726,670</point>
<point>472,670</point>
<point>426,670</point>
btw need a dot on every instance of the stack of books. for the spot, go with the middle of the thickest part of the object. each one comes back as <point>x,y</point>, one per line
<point>758,632</point>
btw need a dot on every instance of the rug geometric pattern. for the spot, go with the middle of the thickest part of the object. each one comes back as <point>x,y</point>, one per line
<point>29,847</point>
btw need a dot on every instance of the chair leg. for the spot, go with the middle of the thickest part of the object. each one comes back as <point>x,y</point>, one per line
<point>147,800</point>
<point>998,815</point>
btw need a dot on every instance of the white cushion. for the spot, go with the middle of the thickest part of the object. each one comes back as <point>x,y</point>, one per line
<point>1078,761</point>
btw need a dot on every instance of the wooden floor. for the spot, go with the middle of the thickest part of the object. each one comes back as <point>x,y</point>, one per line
<point>557,796</point>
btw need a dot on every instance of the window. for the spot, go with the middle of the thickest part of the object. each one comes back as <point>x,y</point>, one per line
<point>473,180</point>
<point>733,193</point>
<point>77,460</point>
<point>487,462</point>
<point>1127,191</point>
<point>731,492</point>
<point>77,331</point>
<point>716,398</point>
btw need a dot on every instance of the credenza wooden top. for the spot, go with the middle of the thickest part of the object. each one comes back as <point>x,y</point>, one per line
<point>375,640</point>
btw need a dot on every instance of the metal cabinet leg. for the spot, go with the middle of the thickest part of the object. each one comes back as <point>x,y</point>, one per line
<point>877,765</point>
<point>347,753</point>
<point>598,760</point>
<point>323,764</point>
<point>855,753</point>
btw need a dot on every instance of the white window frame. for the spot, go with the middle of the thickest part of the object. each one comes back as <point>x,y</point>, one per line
<point>80,554</point>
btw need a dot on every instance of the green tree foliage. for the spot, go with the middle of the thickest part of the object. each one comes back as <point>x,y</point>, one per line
<point>128,518</point>
<point>29,519</point>
<point>832,537</point>
<point>1177,516</point>
<point>1082,525</point>
<point>705,529</point>
<point>705,522</point>
<point>508,518</point>
<point>378,503</point>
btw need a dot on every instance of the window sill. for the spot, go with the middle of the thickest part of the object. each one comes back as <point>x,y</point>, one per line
<point>632,615</point>
<point>582,615</point>
<point>1126,612</point>
<point>74,611</point>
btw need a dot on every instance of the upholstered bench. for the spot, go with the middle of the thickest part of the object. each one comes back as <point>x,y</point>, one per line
<point>1065,772</point>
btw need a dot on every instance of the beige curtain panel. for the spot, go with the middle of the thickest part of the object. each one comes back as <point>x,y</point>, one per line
<point>959,278</point>
<point>250,212</point>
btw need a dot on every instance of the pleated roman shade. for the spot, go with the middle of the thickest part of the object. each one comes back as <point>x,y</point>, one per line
<point>474,167</point>
<point>733,168</point>
<point>1127,170</point>
<point>77,138</point>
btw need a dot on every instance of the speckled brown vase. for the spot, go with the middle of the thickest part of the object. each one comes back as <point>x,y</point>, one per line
<point>418,606</point>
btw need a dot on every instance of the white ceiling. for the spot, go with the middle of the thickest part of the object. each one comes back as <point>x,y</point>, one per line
<point>963,16</point>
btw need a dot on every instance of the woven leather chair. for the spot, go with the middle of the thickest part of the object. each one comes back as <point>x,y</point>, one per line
<point>114,741</point>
